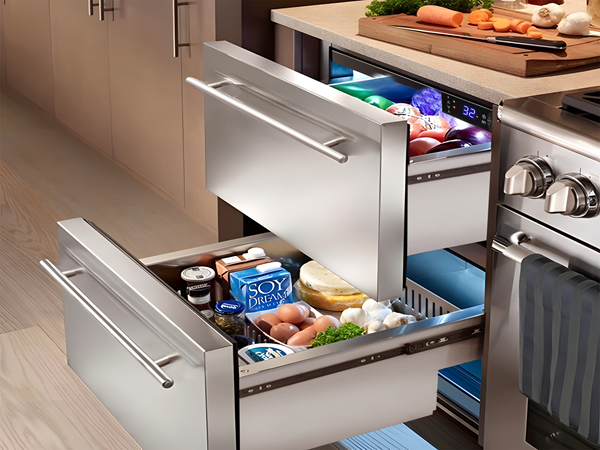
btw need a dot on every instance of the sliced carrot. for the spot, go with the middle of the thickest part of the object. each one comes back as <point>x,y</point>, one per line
<point>493,19</point>
<point>534,33</point>
<point>485,25</point>
<point>440,16</point>
<point>515,23</point>
<point>488,12</point>
<point>477,16</point>
<point>502,25</point>
<point>524,27</point>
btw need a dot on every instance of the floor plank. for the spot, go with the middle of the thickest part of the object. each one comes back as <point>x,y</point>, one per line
<point>44,405</point>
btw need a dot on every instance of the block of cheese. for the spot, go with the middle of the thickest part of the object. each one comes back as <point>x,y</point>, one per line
<point>323,289</point>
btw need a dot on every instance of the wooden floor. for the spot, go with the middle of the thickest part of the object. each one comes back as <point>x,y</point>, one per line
<point>48,175</point>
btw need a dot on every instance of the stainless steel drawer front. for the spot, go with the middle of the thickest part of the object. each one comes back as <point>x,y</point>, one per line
<point>349,216</point>
<point>125,329</point>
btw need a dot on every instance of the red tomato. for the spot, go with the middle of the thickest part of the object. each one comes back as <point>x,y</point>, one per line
<point>438,133</point>
<point>421,145</point>
<point>403,110</point>
<point>416,128</point>
<point>439,122</point>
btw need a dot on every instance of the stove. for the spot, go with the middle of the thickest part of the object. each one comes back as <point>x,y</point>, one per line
<point>583,103</point>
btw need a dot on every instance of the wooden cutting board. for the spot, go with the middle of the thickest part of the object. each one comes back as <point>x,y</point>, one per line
<point>580,50</point>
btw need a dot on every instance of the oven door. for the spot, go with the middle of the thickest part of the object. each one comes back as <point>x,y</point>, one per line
<point>503,406</point>
<point>172,379</point>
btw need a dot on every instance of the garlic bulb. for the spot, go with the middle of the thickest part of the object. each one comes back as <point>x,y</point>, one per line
<point>374,326</point>
<point>371,306</point>
<point>380,314</point>
<point>576,24</point>
<point>548,16</point>
<point>357,316</point>
<point>396,319</point>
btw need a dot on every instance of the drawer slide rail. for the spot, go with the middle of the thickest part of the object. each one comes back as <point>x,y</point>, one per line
<point>406,349</point>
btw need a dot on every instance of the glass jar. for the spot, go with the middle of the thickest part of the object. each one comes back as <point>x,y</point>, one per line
<point>593,9</point>
<point>230,317</point>
<point>199,296</point>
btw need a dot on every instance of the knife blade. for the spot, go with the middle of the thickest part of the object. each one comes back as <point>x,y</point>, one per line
<point>513,41</point>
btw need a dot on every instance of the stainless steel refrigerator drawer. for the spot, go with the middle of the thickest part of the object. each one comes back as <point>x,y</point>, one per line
<point>172,379</point>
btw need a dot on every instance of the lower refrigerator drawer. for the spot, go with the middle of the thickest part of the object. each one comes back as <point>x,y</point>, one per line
<point>172,378</point>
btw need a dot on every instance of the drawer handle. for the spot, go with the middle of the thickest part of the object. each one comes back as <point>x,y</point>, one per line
<point>236,104</point>
<point>152,366</point>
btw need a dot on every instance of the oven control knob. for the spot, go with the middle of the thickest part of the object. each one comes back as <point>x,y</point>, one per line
<point>529,177</point>
<point>572,195</point>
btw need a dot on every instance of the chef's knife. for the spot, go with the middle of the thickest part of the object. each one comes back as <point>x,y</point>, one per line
<point>514,41</point>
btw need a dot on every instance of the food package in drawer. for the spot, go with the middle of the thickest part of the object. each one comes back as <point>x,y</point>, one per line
<point>280,324</point>
<point>226,266</point>
<point>263,287</point>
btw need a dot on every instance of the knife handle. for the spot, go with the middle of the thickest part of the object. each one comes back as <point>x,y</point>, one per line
<point>527,42</point>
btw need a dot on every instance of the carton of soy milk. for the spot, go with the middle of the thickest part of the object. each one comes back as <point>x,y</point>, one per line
<point>263,287</point>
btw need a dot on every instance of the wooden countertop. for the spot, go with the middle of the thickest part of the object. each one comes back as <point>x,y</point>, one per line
<point>338,23</point>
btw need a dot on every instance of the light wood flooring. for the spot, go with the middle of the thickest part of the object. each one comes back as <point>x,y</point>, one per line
<point>47,175</point>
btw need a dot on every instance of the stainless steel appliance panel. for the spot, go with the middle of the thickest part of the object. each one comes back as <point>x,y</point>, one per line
<point>164,372</point>
<point>338,213</point>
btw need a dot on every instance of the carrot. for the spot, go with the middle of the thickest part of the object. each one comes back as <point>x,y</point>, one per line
<point>477,16</point>
<point>524,27</point>
<point>488,12</point>
<point>515,23</point>
<point>502,25</point>
<point>534,33</point>
<point>440,16</point>
<point>485,25</point>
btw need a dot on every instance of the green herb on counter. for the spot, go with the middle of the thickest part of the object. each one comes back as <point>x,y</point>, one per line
<point>387,7</point>
<point>331,335</point>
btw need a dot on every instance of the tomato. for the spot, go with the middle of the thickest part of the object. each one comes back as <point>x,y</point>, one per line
<point>421,145</point>
<point>416,128</point>
<point>438,133</point>
<point>404,111</point>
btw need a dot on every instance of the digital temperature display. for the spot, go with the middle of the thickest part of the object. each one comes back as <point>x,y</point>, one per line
<point>467,111</point>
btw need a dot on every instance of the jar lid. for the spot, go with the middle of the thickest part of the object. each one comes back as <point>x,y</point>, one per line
<point>198,273</point>
<point>229,307</point>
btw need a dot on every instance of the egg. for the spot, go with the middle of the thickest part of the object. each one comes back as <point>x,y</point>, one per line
<point>292,313</point>
<point>266,321</point>
<point>302,338</point>
<point>283,331</point>
<point>324,322</point>
<point>307,323</point>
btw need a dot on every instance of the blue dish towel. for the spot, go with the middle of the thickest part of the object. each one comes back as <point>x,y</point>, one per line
<point>560,343</point>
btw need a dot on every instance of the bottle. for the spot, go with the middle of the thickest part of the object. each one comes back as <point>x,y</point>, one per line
<point>230,317</point>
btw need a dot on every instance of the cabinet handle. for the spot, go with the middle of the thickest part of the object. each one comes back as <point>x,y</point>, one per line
<point>152,366</point>
<point>176,43</point>
<point>102,9</point>
<point>236,104</point>
<point>91,5</point>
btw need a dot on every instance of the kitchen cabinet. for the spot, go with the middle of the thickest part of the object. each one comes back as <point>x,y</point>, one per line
<point>81,80</point>
<point>28,50</point>
<point>146,93</point>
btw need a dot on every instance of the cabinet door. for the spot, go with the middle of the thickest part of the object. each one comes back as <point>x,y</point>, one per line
<point>146,99</point>
<point>198,24</point>
<point>80,63</point>
<point>28,50</point>
<point>164,372</point>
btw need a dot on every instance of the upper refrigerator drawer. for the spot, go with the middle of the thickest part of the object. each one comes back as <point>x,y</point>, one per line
<point>322,170</point>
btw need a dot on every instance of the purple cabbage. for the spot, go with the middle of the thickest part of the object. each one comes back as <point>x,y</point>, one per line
<point>428,101</point>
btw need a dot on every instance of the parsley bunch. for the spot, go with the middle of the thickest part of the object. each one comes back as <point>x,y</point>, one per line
<point>347,330</point>
<point>387,7</point>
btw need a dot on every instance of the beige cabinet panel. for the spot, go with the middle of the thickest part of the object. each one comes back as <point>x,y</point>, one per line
<point>28,50</point>
<point>80,63</point>
<point>146,100</point>
<point>196,23</point>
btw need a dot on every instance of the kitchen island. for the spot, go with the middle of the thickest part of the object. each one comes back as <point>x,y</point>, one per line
<point>337,23</point>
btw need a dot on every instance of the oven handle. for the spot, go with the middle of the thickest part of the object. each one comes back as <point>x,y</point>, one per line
<point>154,367</point>
<point>211,89</point>
<point>511,247</point>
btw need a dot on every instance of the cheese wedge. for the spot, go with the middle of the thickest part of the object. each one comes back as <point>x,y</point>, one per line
<point>314,276</point>
<point>328,302</point>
